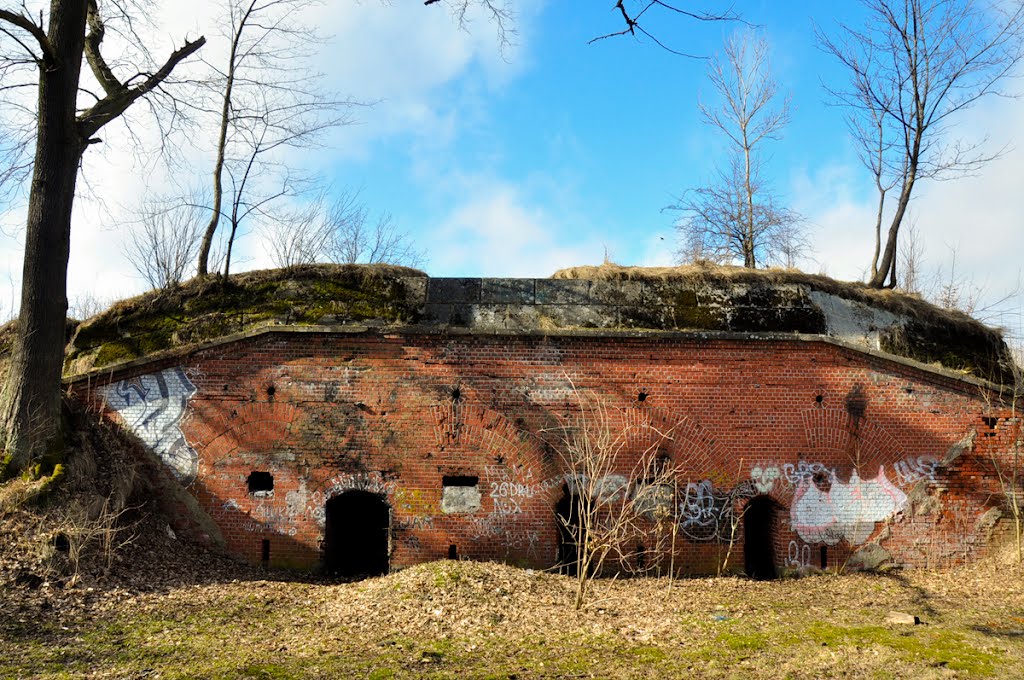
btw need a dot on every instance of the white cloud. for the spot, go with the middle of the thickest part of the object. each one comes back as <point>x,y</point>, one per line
<point>403,56</point>
<point>981,218</point>
<point>498,232</point>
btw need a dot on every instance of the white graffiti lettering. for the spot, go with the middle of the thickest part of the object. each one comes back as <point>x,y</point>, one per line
<point>764,478</point>
<point>798,556</point>
<point>911,469</point>
<point>829,510</point>
<point>152,406</point>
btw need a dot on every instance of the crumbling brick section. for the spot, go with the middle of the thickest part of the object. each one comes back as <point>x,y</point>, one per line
<point>850,457</point>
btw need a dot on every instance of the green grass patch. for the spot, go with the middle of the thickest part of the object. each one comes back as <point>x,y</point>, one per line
<point>934,647</point>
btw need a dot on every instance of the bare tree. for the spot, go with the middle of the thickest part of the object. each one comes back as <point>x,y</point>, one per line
<point>88,304</point>
<point>162,247</point>
<point>913,66</point>
<point>1009,468</point>
<point>344,233</point>
<point>357,237</point>
<point>737,216</point>
<point>299,238</point>
<point>1009,464</point>
<point>618,496</point>
<point>716,226</point>
<point>55,44</point>
<point>269,102</point>
<point>911,254</point>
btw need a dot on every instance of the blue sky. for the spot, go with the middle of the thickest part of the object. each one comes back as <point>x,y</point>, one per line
<point>558,151</point>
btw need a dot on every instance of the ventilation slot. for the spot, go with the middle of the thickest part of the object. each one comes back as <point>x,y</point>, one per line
<point>460,480</point>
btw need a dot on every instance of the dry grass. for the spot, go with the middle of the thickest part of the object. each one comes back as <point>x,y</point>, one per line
<point>463,619</point>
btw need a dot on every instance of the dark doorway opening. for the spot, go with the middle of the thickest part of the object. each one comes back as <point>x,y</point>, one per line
<point>567,516</point>
<point>358,524</point>
<point>759,538</point>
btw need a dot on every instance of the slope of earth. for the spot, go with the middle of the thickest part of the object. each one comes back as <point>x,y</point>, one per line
<point>174,616</point>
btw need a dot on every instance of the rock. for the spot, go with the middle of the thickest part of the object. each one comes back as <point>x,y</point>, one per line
<point>869,557</point>
<point>902,618</point>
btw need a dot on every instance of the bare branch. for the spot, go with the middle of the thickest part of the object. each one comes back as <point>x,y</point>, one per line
<point>912,68</point>
<point>120,98</point>
<point>633,24</point>
<point>35,30</point>
<point>737,216</point>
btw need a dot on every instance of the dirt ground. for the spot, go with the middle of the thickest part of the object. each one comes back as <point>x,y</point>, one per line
<point>165,609</point>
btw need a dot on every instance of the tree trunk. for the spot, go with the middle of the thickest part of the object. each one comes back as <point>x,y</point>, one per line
<point>887,267</point>
<point>878,231</point>
<point>748,241</point>
<point>30,403</point>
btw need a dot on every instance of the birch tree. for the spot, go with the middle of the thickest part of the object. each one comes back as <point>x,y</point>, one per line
<point>914,66</point>
<point>270,102</point>
<point>737,215</point>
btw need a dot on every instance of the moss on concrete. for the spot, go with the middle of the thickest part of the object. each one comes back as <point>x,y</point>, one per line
<point>205,309</point>
<point>695,298</point>
<point>712,297</point>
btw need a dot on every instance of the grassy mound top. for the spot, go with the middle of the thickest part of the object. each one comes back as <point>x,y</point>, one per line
<point>208,308</point>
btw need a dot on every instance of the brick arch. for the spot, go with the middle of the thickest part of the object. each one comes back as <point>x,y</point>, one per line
<point>684,439</point>
<point>219,428</point>
<point>834,433</point>
<point>474,426</point>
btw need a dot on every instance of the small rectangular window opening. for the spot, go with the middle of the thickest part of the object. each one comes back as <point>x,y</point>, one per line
<point>260,483</point>
<point>460,480</point>
<point>824,558</point>
<point>265,552</point>
<point>991,423</point>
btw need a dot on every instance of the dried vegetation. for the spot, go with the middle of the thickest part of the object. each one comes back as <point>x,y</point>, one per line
<point>204,309</point>
<point>927,333</point>
<point>147,604</point>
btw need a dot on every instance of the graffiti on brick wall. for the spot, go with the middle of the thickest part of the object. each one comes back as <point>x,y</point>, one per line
<point>798,556</point>
<point>914,468</point>
<point>709,514</point>
<point>764,478</point>
<point>828,510</point>
<point>151,407</point>
<point>264,518</point>
<point>509,488</point>
<point>511,537</point>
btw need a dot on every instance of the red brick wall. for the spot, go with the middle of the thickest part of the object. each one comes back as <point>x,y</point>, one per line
<point>854,449</point>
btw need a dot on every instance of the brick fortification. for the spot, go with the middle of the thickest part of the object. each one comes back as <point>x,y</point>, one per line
<point>445,437</point>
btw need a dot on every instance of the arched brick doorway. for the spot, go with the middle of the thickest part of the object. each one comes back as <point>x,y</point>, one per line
<point>356,536</point>
<point>759,526</point>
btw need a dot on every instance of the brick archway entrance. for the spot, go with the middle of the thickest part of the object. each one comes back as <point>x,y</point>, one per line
<point>358,526</point>
<point>759,522</point>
